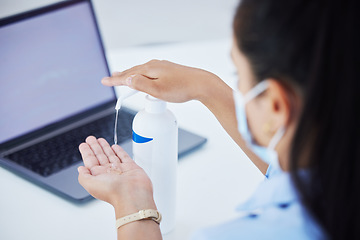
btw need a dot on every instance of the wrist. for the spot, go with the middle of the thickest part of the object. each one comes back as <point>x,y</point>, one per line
<point>142,215</point>
<point>213,90</point>
<point>143,229</point>
<point>124,208</point>
<point>205,85</point>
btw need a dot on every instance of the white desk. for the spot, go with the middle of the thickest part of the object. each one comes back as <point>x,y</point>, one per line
<point>218,176</point>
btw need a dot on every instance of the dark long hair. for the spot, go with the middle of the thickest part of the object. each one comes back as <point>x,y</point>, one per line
<point>314,46</point>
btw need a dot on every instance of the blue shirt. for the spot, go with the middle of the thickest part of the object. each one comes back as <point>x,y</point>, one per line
<point>273,212</point>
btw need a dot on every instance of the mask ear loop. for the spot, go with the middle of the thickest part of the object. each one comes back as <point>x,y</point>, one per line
<point>255,91</point>
<point>276,138</point>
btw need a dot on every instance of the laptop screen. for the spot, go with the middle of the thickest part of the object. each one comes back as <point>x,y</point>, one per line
<point>50,69</point>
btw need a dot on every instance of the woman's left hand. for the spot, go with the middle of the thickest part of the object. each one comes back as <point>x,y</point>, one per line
<point>111,175</point>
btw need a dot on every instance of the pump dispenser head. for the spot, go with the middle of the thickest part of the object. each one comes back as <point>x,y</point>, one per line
<point>154,105</point>
<point>124,96</point>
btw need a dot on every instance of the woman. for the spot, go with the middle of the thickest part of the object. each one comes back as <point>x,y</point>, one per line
<point>294,114</point>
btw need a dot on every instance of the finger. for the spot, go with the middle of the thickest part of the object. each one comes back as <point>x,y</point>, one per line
<point>140,69</point>
<point>114,74</point>
<point>147,70</point>
<point>97,149</point>
<point>108,151</point>
<point>143,84</point>
<point>114,81</point>
<point>120,152</point>
<point>84,174</point>
<point>85,178</point>
<point>83,170</point>
<point>120,78</point>
<point>97,170</point>
<point>88,155</point>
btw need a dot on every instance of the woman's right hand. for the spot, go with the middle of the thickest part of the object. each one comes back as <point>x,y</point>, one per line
<point>165,80</point>
<point>177,83</point>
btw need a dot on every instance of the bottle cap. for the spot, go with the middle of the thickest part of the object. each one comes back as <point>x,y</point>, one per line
<point>154,105</point>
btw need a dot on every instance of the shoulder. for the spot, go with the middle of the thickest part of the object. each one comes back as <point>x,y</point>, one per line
<point>277,222</point>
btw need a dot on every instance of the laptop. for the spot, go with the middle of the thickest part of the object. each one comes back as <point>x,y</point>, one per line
<point>52,60</point>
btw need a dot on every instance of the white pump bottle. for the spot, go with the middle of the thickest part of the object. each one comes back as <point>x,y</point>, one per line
<point>155,149</point>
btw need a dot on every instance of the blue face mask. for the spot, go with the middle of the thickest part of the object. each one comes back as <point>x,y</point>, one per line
<point>267,154</point>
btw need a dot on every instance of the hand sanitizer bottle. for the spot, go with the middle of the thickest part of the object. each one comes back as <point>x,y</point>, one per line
<point>155,149</point>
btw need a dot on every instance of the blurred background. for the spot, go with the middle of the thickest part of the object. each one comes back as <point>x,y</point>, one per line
<point>125,23</point>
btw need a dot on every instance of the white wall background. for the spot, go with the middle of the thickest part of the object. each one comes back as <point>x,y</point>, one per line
<point>126,23</point>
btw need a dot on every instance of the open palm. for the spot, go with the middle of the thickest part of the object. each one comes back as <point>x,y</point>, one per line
<point>109,174</point>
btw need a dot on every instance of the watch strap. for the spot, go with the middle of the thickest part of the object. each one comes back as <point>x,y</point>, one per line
<point>142,214</point>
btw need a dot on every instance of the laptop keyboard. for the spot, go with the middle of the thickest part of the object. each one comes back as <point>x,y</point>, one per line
<point>61,151</point>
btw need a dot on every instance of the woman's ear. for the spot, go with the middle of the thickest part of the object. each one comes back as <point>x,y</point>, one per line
<point>280,106</point>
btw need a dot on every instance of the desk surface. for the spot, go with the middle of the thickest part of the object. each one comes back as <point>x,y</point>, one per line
<point>218,176</point>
